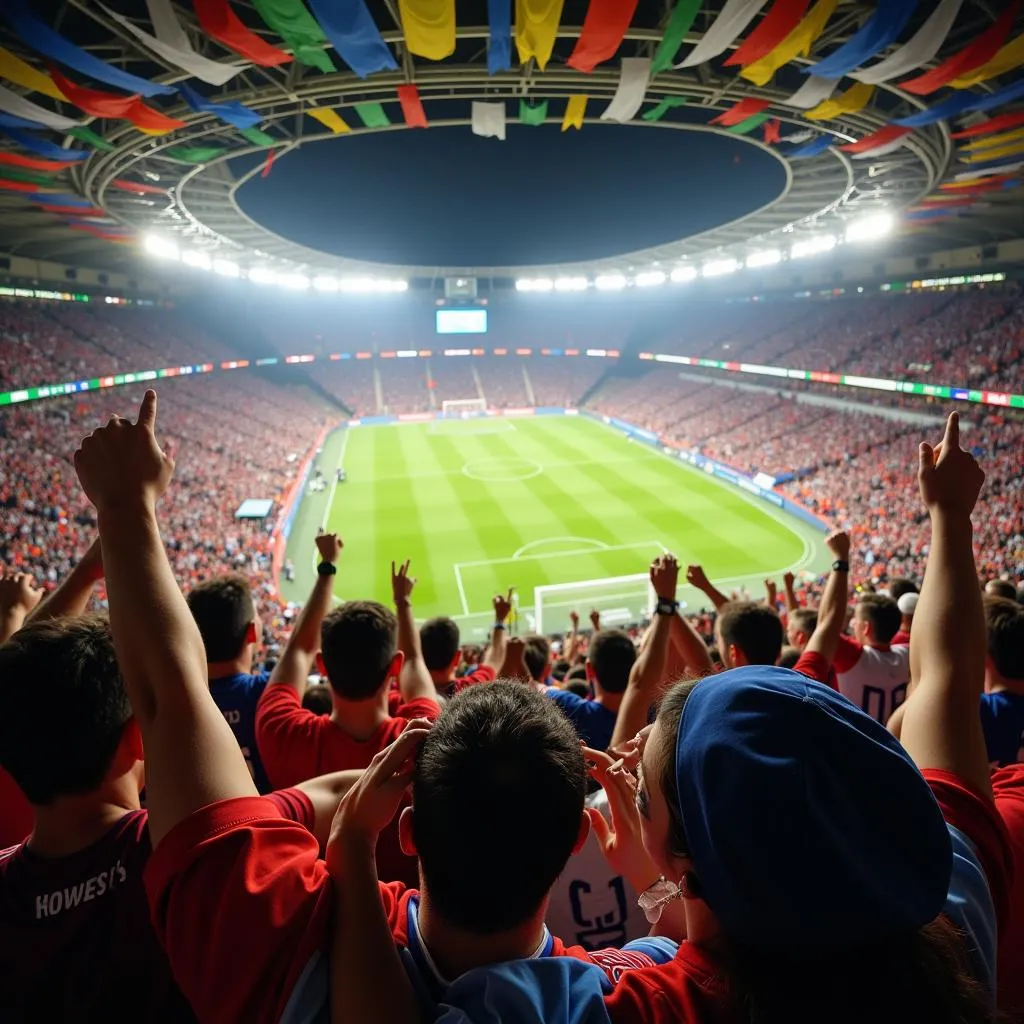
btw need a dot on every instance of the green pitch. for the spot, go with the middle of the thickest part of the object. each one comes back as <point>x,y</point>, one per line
<point>482,505</point>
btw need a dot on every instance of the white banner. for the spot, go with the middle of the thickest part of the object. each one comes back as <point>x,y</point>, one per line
<point>814,91</point>
<point>927,42</point>
<point>12,103</point>
<point>882,150</point>
<point>736,15</point>
<point>489,120</point>
<point>629,96</point>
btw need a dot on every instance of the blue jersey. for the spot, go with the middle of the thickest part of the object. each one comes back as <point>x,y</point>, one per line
<point>593,721</point>
<point>237,697</point>
<point>1002,720</point>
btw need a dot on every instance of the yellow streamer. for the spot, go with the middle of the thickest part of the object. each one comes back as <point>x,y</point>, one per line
<point>855,98</point>
<point>995,140</point>
<point>797,44</point>
<point>574,111</point>
<point>15,70</point>
<point>536,28</point>
<point>329,119</point>
<point>994,154</point>
<point>429,27</point>
<point>1009,57</point>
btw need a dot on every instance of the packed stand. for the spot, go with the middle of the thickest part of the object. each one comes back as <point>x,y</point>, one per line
<point>501,379</point>
<point>560,382</point>
<point>352,382</point>
<point>405,386</point>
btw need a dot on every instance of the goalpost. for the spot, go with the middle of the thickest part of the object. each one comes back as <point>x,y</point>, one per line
<point>619,599</point>
<point>463,408</point>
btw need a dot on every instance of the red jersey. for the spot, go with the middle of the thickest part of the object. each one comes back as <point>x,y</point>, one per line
<point>16,816</point>
<point>1008,788</point>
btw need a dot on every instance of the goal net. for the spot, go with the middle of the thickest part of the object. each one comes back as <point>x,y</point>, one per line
<point>619,599</point>
<point>463,407</point>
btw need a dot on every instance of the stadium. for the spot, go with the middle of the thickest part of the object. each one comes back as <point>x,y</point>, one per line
<point>397,394</point>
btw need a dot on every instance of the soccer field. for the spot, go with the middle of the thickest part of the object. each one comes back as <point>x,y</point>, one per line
<point>481,505</point>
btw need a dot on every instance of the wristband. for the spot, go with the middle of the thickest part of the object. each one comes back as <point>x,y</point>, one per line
<point>666,606</point>
<point>840,566</point>
<point>326,569</point>
<point>498,625</point>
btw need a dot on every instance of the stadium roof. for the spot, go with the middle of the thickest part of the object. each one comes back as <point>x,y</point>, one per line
<point>869,129</point>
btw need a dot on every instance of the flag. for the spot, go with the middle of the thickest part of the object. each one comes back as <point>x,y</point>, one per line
<point>783,17</point>
<point>533,115</point>
<point>351,29</point>
<point>536,29</point>
<point>683,15</point>
<point>372,115</point>
<point>15,70</point>
<point>219,21</point>
<point>741,111</point>
<point>857,97</point>
<point>667,104</point>
<point>489,120</point>
<point>575,110</point>
<point>299,30</point>
<point>330,119</point>
<point>27,111</point>
<point>604,28</point>
<point>872,37</point>
<point>428,27</point>
<point>499,43</point>
<point>918,50</point>
<point>412,106</point>
<point>734,17</point>
<point>797,44</point>
<point>811,93</point>
<point>634,76</point>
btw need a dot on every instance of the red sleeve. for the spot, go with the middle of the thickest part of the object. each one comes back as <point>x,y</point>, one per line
<point>294,805</point>
<point>975,815</point>
<point>421,707</point>
<point>815,666</point>
<point>483,674</point>
<point>848,653</point>
<point>286,736</point>
<point>241,905</point>
<point>391,894</point>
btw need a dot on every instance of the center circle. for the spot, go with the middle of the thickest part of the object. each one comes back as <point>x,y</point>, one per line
<point>502,469</point>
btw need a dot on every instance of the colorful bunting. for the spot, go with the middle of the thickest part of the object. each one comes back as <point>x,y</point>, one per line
<point>10,185</point>
<point>1010,57</point>
<point>88,136</point>
<point>31,177</point>
<point>330,119</point>
<point>819,145</point>
<point>536,29</point>
<point>797,44</point>
<point>855,98</point>
<point>872,37</point>
<point>15,70</point>
<point>354,34</point>
<point>106,104</point>
<point>412,106</point>
<point>489,120</point>
<point>667,104</point>
<point>983,170</point>
<point>372,115</point>
<point>970,58</point>
<point>219,21</point>
<point>232,113</point>
<point>741,111</point>
<point>499,43</point>
<point>920,49</point>
<point>258,137</point>
<point>575,110</point>
<point>983,156</point>
<point>429,27</point>
<point>747,126</point>
<point>876,140</point>
<point>75,211</point>
<point>999,139</point>
<point>811,93</point>
<point>62,199</point>
<point>30,115</point>
<point>734,17</point>
<point>999,180</point>
<point>634,76</point>
<point>55,155</point>
<point>772,131</point>
<point>10,121</point>
<point>194,154</point>
<point>604,28</point>
<point>962,103</point>
<point>33,163</point>
<point>683,16</point>
<point>533,115</point>
<point>993,124</point>
<point>138,187</point>
<point>783,17</point>
<point>298,28</point>
<point>268,165</point>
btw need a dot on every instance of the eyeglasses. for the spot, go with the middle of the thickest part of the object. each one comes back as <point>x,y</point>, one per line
<point>653,900</point>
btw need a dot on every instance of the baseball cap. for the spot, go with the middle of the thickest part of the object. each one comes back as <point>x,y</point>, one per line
<point>807,822</point>
<point>908,603</point>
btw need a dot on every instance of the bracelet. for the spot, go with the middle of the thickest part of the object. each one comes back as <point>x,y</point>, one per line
<point>498,625</point>
<point>326,569</point>
<point>840,566</point>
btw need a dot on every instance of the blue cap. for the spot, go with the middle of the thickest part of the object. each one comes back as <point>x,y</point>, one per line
<point>808,824</point>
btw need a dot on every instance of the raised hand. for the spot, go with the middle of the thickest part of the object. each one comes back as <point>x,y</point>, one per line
<point>839,544</point>
<point>696,577</point>
<point>122,464</point>
<point>18,593</point>
<point>402,583</point>
<point>788,580</point>
<point>595,620</point>
<point>771,590</point>
<point>502,606</point>
<point>665,576</point>
<point>329,545</point>
<point>514,665</point>
<point>574,618</point>
<point>949,477</point>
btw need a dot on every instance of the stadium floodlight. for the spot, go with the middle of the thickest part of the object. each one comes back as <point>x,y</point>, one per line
<point>199,260</point>
<point>226,268</point>
<point>356,284</point>
<point>262,275</point>
<point>718,268</point>
<point>764,258</point>
<point>524,284</point>
<point>610,282</point>
<point>683,274</point>
<point>542,284</point>
<point>571,284</point>
<point>812,246</point>
<point>297,282</point>
<point>325,283</point>
<point>871,228</point>
<point>398,285</point>
<point>157,246</point>
<point>650,278</point>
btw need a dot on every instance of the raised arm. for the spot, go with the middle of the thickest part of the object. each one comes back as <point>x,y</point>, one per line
<point>72,596</point>
<point>18,596</point>
<point>648,672</point>
<point>299,655</point>
<point>414,680</point>
<point>832,611</point>
<point>789,581</point>
<point>771,593</point>
<point>689,648</point>
<point>696,577</point>
<point>499,632</point>
<point>514,665</point>
<point>325,792</point>
<point>192,757</point>
<point>573,644</point>
<point>595,620</point>
<point>941,724</point>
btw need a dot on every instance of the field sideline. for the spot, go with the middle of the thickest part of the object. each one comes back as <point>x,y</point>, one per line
<point>480,505</point>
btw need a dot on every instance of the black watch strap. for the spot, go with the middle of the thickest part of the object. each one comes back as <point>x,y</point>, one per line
<point>666,607</point>
<point>840,566</point>
<point>326,569</point>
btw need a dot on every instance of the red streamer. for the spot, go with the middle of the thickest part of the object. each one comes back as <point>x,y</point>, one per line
<point>784,16</point>
<point>122,108</point>
<point>877,139</point>
<point>138,187</point>
<point>993,124</point>
<point>72,211</point>
<point>741,111</point>
<point>604,28</point>
<point>972,56</point>
<point>217,18</point>
<point>17,186</point>
<point>412,107</point>
<point>269,165</point>
<point>772,132</point>
<point>34,162</point>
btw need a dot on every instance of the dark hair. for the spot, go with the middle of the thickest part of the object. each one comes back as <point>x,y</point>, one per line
<point>439,639</point>
<point>358,642</point>
<point>498,797</point>
<point>69,748</point>
<point>1001,588</point>
<point>805,620</point>
<point>900,586</point>
<point>669,712</point>
<point>317,698</point>
<point>1004,622</point>
<point>560,669</point>
<point>612,653</point>
<point>884,615</point>
<point>755,629</point>
<point>789,657</point>
<point>223,610</point>
<point>577,672</point>
<point>577,686</point>
<point>536,656</point>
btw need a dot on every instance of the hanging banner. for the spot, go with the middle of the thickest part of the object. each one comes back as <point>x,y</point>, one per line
<point>772,131</point>
<point>1009,58</point>
<point>412,106</point>
<point>874,35</point>
<point>232,113</point>
<point>819,145</point>
<point>354,34</point>
<point>182,56</point>
<point>868,144</point>
<point>735,16</point>
<point>36,164</point>
<point>64,199</point>
<point>330,119</point>
<point>299,30</point>
<point>499,42</point>
<point>372,115</point>
<point>741,111</point>
<point>993,124</point>
<point>811,93</point>
<point>258,137</point>
<point>667,104</point>
<point>1014,149</point>
<point>983,170</point>
<point>428,27</point>
<point>575,110</point>
<point>634,77</point>
<point>970,58</point>
<point>1000,139</point>
<point>87,135</point>
<point>997,181</point>
<point>857,97</point>
<point>797,44</point>
<point>194,154</point>
<point>683,16</point>
<point>138,187</point>
<point>31,114</point>
<point>31,177</point>
<point>489,120</point>
<point>604,28</point>
<point>44,147</point>
<point>37,34</point>
<point>10,185</point>
<point>106,104</point>
<point>773,28</point>
<point>747,126</point>
<point>268,165</point>
<point>962,103</point>
<point>921,48</point>
<point>74,211</point>
<point>219,21</point>
<point>533,115</point>
<point>536,29</point>
<point>15,70</point>
<point>10,121</point>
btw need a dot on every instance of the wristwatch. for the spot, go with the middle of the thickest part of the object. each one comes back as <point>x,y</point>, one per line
<point>666,606</point>
<point>840,566</point>
<point>326,569</point>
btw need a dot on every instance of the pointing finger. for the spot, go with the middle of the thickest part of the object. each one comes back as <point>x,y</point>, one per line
<point>147,411</point>
<point>951,439</point>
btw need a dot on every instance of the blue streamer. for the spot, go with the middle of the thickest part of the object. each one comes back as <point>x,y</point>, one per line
<point>60,199</point>
<point>44,147</point>
<point>232,113</point>
<point>818,145</point>
<point>933,214</point>
<point>499,49</point>
<point>41,37</point>
<point>354,34</point>
<point>874,35</point>
<point>10,121</point>
<point>962,103</point>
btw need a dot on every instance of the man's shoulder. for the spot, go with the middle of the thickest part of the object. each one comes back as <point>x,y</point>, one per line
<point>566,698</point>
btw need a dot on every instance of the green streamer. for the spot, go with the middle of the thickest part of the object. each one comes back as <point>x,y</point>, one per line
<point>257,137</point>
<point>195,154</point>
<point>29,177</point>
<point>667,104</point>
<point>747,126</point>
<point>89,136</point>
<point>533,114</point>
<point>372,115</point>
<point>299,29</point>
<point>678,25</point>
